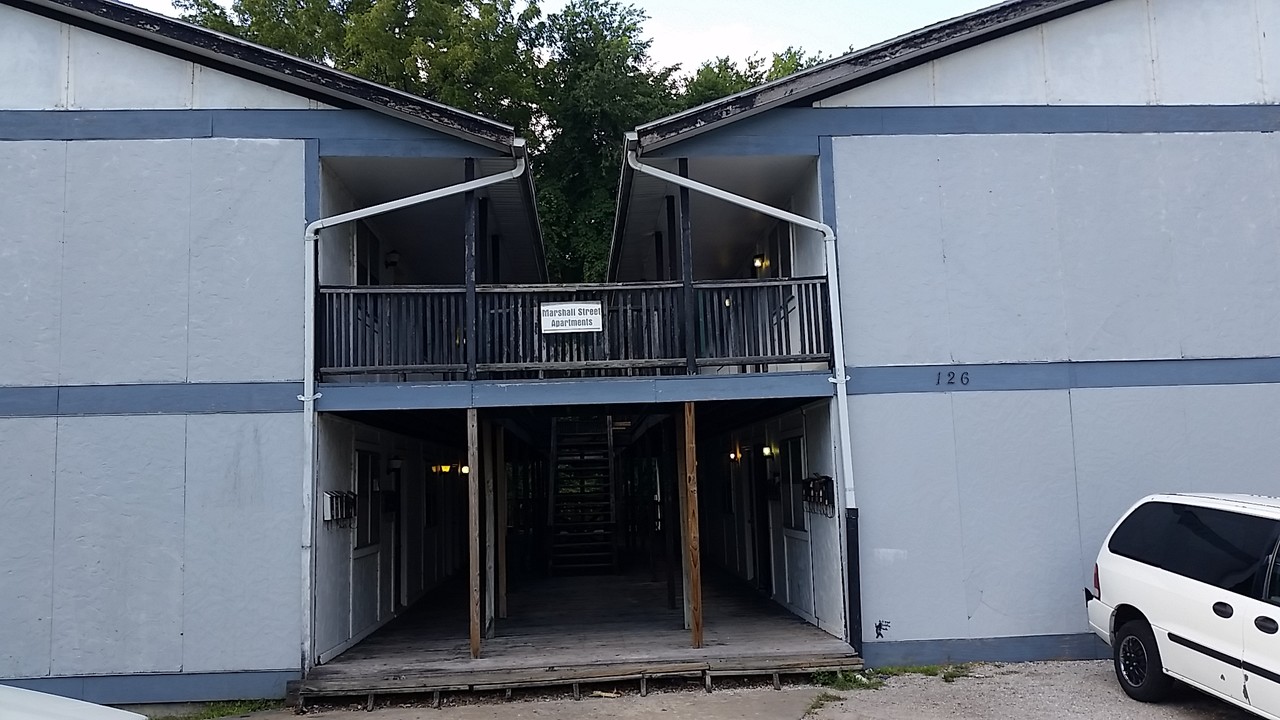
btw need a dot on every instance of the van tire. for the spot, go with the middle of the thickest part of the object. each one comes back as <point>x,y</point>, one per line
<point>1137,663</point>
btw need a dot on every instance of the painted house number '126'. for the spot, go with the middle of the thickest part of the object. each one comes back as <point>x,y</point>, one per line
<point>952,377</point>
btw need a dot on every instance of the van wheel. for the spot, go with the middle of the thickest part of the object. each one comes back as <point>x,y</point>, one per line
<point>1137,661</point>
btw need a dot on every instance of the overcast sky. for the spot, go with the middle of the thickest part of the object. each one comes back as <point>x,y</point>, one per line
<point>687,32</point>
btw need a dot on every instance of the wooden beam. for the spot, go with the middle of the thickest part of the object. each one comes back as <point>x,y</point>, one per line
<point>694,562</point>
<point>473,526</point>
<point>484,274</point>
<point>470,223</point>
<point>672,528</point>
<point>686,271</point>
<point>659,251</point>
<point>682,499</point>
<point>490,522</point>
<point>672,239</point>
<point>501,470</point>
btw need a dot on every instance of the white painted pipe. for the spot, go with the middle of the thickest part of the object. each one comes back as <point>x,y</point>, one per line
<point>838,376</point>
<point>309,395</point>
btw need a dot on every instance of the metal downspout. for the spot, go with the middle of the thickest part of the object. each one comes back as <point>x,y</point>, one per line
<point>838,376</point>
<point>311,241</point>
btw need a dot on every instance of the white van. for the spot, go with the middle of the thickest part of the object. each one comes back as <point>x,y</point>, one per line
<point>1187,587</point>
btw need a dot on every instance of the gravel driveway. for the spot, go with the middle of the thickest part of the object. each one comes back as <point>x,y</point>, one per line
<point>1027,691</point>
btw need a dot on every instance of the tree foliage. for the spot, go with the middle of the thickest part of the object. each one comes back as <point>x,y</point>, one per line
<point>572,83</point>
<point>722,76</point>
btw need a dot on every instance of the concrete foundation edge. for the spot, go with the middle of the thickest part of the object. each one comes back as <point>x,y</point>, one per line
<point>1083,646</point>
<point>164,687</point>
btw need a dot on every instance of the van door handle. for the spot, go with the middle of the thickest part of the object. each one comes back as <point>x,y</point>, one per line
<point>1223,610</point>
<point>1266,624</point>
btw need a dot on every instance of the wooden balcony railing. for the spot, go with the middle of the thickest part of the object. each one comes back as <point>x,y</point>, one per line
<point>403,330</point>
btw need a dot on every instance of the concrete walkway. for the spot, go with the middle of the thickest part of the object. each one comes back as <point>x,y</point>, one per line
<point>1027,691</point>
<point>786,704</point>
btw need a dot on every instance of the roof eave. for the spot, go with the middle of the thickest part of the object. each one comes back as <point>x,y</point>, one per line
<point>629,144</point>
<point>284,69</point>
<point>860,67</point>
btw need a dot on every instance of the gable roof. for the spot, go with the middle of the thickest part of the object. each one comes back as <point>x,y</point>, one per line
<point>861,67</point>
<point>230,54</point>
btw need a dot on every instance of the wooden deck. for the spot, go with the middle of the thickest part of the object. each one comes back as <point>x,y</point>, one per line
<point>566,631</point>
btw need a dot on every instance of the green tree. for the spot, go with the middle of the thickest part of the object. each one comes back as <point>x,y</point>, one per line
<point>478,55</point>
<point>721,76</point>
<point>572,83</point>
<point>598,82</point>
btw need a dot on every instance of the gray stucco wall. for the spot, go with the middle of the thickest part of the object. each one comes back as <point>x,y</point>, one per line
<point>1025,248</point>
<point>150,544</point>
<point>151,261</point>
<point>982,512</point>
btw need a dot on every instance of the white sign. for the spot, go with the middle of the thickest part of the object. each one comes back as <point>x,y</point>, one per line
<point>568,317</point>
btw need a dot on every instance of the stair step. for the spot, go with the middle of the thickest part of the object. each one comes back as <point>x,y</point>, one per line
<point>581,523</point>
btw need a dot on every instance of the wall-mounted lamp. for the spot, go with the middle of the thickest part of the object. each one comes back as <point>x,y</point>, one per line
<point>466,470</point>
<point>727,302</point>
<point>391,259</point>
<point>734,456</point>
<point>759,262</point>
<point>766,451</point>
<point>441,468</point>
<point>395,463</point>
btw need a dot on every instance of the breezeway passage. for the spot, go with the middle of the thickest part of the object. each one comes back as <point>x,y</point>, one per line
<point>578,564</point>
<point>584,630</point>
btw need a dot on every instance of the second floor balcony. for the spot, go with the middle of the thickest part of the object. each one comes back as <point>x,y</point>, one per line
<point>425,333</point>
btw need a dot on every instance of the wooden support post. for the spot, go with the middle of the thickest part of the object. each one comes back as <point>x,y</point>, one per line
<point>690,492</point>
<point>473,526</point>
<point>682,519</point>
<point>659,251</point>
<point>490,529</point>
<point>484,272</point>
<point>672,239</point>
<point>686,271</point>
<point>672,525</point>
<point>495,259</point>
<point>470,222</point>
<point>500,467</point>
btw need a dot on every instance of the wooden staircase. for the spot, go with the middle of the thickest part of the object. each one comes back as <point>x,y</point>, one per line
<point>582,507</point>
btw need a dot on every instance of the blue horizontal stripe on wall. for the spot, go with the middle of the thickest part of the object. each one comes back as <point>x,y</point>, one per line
<point>164,687</point>
<point>508,393</point>
<point>794,131</point>
<point>1083,646</point>
<point>1062,375</point>
<point>158,399</point>
<point>269,397</point>
<point>344,132</point>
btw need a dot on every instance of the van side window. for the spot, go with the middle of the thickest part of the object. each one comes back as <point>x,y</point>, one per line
<point>1226,549</point>
<point>1142,535</point>
<point>1273,594</point>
